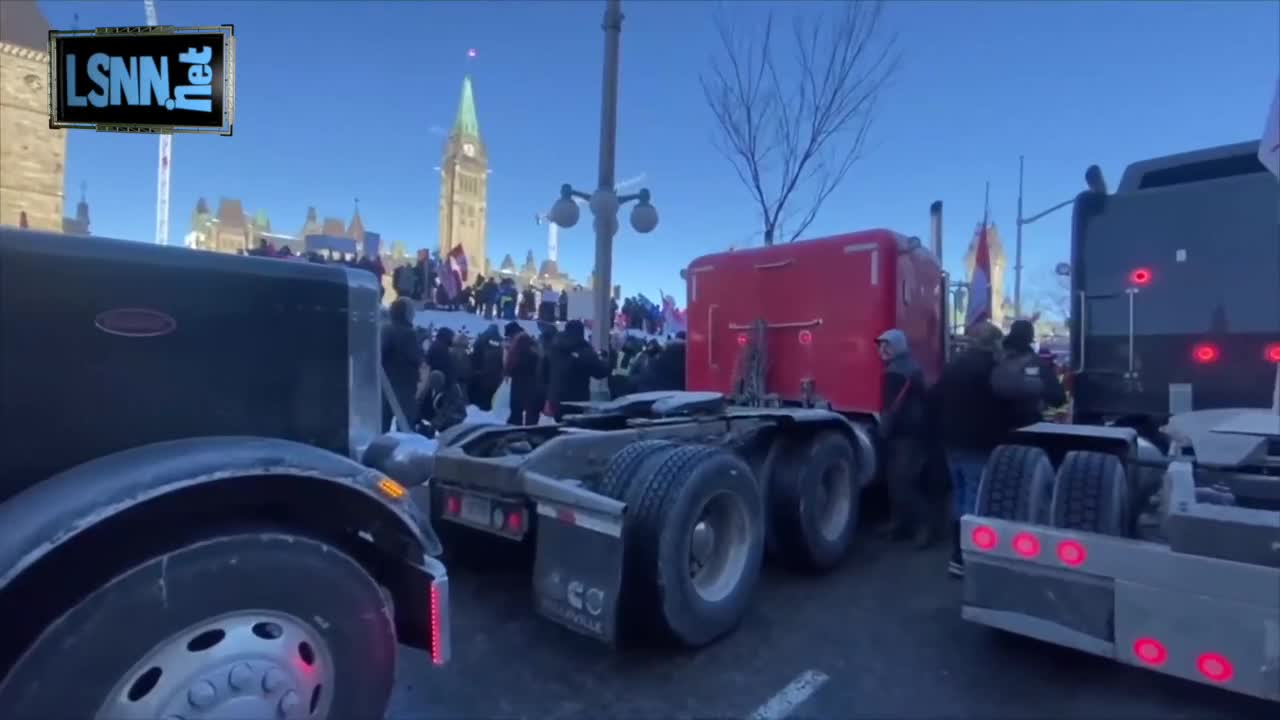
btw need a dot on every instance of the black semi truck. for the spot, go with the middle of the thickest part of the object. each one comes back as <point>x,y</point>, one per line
<point>199,513</point>
<point>1176,288</point>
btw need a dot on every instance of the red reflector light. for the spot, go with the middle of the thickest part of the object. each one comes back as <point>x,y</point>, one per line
<point>742,339</point>
<point>453,505</point>
<point>515,521</point>
<point>1215,667</point>
<point>1150,651</point>
<point>1026,545</point>
<point>805,337</point>
<point>1205,353</point>
<point>566,515</point>
<point>1140,276</point>
<point>1272,352</point>
<point>438,655</point>
<point>1071,553</point>
<point>984,538</point>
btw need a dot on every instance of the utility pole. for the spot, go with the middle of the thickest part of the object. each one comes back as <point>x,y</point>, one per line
<point>166,151</point>
<point>1017,248</point>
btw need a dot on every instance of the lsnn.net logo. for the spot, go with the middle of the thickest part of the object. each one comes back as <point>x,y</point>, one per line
<point>143,79</point>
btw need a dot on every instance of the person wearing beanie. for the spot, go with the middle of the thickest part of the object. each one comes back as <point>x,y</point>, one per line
<point>573,363</point>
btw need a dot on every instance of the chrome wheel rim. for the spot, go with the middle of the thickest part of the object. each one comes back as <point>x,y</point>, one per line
<point>718,543</point>
<point>247,665</point>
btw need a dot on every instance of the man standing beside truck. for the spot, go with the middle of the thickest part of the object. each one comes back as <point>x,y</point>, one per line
<point>903,430</point>
<point>972,419</point>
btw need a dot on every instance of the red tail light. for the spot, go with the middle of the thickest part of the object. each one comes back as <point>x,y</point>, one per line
<point>1272,353</point>
<point>439,645</point>
<point>515,521</point>
<point>1150,651</point>
<point>984,538</point>
<point>1140,276</point>
<point>1205,353</point>
<point>1026,545</point>
<point>1215,668</point>
<point>742,339</point>
<point>453,505</point>
<point>805,337</point>
<point>1071,553</point>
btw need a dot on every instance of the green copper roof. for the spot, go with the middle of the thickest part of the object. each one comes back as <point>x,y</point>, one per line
<point>466,123</point>
<point>261,220</point>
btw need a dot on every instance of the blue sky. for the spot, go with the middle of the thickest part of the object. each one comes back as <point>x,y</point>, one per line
<point>339,100</point>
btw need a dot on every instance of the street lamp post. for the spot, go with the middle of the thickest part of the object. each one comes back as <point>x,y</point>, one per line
<point>605,202</point>
<point>1017,251</point>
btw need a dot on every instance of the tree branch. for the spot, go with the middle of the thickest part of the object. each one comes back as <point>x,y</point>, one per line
<point>793,131</point>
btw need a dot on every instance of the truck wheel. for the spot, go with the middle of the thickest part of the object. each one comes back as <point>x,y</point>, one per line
<point>1016,485</point>
<point>624,467</point>
<point>254,626</point>
<point>1091,494</point>
<point>696,541</point>
<point>814,502</point>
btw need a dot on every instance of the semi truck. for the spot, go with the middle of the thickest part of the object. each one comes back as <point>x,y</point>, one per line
<point>1152,538</point>
<point>199,515</point>
<point>651,514</point>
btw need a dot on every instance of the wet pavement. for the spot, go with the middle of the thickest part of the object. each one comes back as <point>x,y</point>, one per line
<point>880,637</point>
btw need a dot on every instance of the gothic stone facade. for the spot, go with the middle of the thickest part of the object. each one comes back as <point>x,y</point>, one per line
<point>32,174</point>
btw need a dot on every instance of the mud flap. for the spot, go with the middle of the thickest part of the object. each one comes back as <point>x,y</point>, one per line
<point>577,575</point>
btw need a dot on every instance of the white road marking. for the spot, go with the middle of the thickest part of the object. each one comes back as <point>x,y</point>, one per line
<point>790,697</point>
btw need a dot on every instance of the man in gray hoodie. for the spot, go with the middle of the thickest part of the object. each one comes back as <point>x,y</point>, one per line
<point>902,431</point>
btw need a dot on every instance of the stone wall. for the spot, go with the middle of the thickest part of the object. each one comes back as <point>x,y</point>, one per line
<point>32,175</point>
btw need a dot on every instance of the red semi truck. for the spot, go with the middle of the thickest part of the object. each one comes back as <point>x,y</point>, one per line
<point>819,304</point>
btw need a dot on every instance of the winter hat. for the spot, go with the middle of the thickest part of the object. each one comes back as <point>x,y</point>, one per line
<point>575,330</point>
<point>895,340</point>
<point>1021,334</point>
<point>511,329</point>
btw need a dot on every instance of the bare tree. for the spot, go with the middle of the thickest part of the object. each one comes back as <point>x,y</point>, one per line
<point>793,133</point>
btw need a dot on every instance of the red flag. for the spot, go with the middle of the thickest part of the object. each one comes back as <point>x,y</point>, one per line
<point>979,308</point>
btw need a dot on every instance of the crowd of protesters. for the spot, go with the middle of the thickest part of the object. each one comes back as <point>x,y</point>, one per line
<point>436,373</point>
<point>993,385</point>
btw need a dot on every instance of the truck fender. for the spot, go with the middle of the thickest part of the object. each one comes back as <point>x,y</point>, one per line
<point>52,514</point>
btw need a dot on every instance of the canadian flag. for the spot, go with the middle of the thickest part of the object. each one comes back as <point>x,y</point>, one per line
<point>979,308</point>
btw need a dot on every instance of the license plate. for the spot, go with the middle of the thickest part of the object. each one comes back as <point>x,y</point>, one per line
<point>476,510</point>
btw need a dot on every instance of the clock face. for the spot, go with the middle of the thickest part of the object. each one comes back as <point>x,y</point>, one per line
<point>468,149</point>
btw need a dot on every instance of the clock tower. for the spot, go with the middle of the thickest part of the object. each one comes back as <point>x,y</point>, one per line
<point>464,181</point>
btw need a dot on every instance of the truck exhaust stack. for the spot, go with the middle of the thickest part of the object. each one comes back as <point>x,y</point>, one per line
<point>935,229</point>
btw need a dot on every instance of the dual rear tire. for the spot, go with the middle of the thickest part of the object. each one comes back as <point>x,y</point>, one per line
<point>1088,492</point>
<point>697,521</point>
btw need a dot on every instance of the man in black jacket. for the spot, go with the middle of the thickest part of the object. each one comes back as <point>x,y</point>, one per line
<point>573,363</point>
<point>902,429</point>
<point>402,361</point>
<point>1025,380</point>
<point>972,420</point>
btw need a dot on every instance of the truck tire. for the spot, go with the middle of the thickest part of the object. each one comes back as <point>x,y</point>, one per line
<point>695,542</point>
<point>1016,485</point>
<point>624,467</point>
<point>814,502</point>
<point>1091,494</point>
<point>252,625</point>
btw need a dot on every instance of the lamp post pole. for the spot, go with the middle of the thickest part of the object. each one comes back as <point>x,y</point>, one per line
<point>605,202</point>
<point>606,227</point>
<point>1017,246</point>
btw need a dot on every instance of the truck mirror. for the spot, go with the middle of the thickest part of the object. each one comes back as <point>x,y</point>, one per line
<point>1094,180</point>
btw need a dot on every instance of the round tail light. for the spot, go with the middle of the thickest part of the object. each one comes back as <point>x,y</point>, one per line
<point>1206,353</point>
<point>1272,353</point>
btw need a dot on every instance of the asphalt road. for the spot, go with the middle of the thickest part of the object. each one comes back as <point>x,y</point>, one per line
<point>884,630</point>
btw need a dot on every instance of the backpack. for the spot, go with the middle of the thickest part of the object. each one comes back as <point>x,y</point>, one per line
<point>1017,377</point>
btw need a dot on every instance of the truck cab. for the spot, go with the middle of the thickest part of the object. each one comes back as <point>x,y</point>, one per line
<point>820,305</point>
<point>195,438</point>
<point>1176,288</point>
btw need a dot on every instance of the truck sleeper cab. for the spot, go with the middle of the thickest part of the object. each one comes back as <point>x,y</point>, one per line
<point>1176,289</point>
<point>823,302</point>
